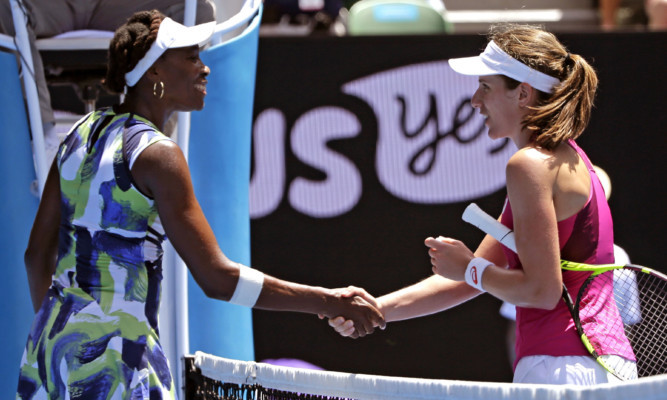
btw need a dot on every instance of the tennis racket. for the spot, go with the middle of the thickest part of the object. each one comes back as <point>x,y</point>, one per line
<point>639,311</point>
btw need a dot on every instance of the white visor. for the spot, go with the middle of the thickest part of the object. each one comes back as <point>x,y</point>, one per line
<point>170,35</point>
<point>494,61</point>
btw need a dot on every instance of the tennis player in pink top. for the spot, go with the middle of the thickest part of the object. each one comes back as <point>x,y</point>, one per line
<point>539,95</point>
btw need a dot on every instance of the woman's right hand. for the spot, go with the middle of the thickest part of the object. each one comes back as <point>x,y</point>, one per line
<point>346,325</point>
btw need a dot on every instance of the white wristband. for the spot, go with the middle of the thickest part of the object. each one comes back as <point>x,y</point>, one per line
<point>248,287</point>
<point>474,272</point>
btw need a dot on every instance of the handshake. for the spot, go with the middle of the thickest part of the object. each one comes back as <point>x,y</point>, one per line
<point>358,314</point>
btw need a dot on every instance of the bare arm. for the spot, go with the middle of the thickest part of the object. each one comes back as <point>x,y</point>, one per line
<point>436,293</point>
<point>162,172</point>
<point>530,183</point>
<point>42,251</point>
<point>430,296</point>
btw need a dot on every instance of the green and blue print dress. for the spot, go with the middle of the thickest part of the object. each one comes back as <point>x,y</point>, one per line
<point>96,333</point>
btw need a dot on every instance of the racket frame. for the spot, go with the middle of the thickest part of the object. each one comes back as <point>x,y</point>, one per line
<point>474,215</point>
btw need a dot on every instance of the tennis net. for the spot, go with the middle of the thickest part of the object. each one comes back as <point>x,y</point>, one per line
<point>215,378</point>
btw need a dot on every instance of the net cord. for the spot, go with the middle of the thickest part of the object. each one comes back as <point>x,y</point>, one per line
<point>375,387</point>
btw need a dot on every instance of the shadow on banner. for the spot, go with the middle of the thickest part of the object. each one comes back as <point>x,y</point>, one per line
<point>220,143</point>
<point>17,214</point>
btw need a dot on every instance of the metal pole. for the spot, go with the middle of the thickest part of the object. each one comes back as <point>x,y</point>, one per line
<point>7,41</point>
<point>180,277</point>
<point>32,98</point>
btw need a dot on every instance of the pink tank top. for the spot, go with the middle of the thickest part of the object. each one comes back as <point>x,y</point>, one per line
<point>585,237</point>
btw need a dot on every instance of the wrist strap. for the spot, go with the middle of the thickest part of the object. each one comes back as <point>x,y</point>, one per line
<point>474,272</point>
<point>248,287</point>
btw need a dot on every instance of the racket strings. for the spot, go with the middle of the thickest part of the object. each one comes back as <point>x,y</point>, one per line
<point>650,335</point>
<point>639,311</point>
<point>641,303</point>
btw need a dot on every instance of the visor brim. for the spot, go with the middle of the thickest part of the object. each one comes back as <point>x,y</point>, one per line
<point>471,66</point>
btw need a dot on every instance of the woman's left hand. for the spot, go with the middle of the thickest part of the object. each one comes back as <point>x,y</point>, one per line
<point>449,257</point>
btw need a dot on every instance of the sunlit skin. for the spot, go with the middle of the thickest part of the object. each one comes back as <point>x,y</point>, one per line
<point>177,82</point>
<point>501,108</point>
<point>162,173</point>
<point>186,76</point>
<point>182,74</point>
<point>541,193</point>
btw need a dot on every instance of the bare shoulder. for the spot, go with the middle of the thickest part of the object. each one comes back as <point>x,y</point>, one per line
<point>160,165</point>
<point>530,188</point>
<point>531,162</point>
<point>161,149</point>
<point>163,155</point>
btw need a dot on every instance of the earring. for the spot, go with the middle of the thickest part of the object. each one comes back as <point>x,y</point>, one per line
<point>155,86</point>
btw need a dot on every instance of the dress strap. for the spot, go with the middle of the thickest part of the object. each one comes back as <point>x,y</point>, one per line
<point>582,154</point>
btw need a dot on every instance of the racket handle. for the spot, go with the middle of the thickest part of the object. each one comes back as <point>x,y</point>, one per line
<point>489,225</point>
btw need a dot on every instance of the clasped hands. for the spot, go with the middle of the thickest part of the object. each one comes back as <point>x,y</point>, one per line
<point>449,259</point>
<point>360,316</point>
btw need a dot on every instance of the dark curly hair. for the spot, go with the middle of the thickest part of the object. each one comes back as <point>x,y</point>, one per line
<point>129,44</point>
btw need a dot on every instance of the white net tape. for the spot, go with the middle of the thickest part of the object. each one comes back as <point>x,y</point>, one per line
<point>374,387</point>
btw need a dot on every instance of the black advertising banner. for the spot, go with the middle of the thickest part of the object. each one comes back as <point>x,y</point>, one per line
<point>363,147</point>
